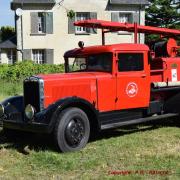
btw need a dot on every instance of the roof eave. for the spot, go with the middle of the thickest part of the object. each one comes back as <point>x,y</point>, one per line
<point>14,5</point>
<point>130,2</point>
<point>8,46</point>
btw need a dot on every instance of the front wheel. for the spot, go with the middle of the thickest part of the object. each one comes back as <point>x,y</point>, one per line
<point>72,130</point>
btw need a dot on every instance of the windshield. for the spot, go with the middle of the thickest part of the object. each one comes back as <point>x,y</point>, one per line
<point>97,62</point>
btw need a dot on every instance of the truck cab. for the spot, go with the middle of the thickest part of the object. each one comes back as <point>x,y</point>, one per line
<point>122,73</point>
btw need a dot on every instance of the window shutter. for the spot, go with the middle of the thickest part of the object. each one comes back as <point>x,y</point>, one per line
<point>93,15</point>
<point>34,22</point>
<point>27,54</point>
<point>71,27</point>
<point>135,18</point>
<point>115,16</point>
<point>49,22</point>
<point>49,56</point>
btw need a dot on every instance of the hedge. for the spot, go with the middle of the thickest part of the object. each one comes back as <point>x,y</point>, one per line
<point>24,69</point>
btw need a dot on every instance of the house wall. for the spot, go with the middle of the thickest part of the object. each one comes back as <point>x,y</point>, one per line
<point>4,57</point>
<point>7,56</point>
<point>60,40</point>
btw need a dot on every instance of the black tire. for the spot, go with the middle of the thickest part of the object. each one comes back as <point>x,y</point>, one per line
<point>72,130</point>
<point>177,121</point>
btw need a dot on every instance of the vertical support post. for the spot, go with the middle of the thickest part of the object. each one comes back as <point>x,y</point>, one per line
<point>103,37</point>
<point>19,37</point>
<point>135,33</point>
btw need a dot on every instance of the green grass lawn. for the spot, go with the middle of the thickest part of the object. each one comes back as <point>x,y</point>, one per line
<point>143,151</point>
<point>10,88</point>
<point>135,149</point>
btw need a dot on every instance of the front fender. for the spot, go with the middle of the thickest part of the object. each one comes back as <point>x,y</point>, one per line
<point>45,120</point>
<point>55,109</point>
<point>13,104</point>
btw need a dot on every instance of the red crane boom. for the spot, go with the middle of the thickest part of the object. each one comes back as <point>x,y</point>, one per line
<point>116,26</point>
<point>108,26</point>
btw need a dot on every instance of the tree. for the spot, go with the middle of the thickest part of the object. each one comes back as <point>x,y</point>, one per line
<point>163,13</point>
<point>6,32</point>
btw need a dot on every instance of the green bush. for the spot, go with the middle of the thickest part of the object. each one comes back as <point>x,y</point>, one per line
<point>11,76</point>
<point>24,69</point>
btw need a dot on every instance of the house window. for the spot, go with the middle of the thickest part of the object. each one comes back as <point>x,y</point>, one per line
<point>41,23</point>
<point>130,62</point>
<point>122,17</point>
<point>80,16</point>
<point>11,55</point>
<point>38,56</point>
<point>125,18</point>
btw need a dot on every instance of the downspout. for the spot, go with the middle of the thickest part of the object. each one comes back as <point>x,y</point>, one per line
<point>19,32</point>
<point>22,38</point>
<point>19,38</point>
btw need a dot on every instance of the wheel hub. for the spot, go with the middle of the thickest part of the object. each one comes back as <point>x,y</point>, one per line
<point>74,132</point>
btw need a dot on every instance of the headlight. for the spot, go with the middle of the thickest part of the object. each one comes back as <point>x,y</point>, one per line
<point>1,110</point>
<point>29,111</point>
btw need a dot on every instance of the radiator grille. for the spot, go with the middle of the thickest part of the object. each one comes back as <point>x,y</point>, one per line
<point>33,93</point>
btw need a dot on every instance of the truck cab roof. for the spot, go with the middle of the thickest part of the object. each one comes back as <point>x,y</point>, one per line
<point>106,48</point>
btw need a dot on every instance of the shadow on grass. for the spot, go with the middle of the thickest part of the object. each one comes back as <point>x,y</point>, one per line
<point>25,142</point>
<point>148,126</point>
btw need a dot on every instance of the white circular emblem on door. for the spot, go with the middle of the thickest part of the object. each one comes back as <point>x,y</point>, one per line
<point>132,89</point>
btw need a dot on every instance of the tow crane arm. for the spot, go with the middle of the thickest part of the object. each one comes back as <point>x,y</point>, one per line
<point>108,26</point>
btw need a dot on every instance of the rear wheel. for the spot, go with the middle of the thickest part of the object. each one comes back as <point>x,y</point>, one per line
<point>72,130</point>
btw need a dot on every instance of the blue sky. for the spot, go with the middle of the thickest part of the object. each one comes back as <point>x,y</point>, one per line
<point>6,14</point>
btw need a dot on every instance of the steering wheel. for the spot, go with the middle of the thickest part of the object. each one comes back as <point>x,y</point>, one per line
<point>83,66</point>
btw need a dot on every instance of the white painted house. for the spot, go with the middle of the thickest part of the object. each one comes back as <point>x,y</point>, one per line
<point>44,31</point>
<point>8,51</point>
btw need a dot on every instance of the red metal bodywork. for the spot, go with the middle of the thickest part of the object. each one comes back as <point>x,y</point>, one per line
<point>161,69</point>
<point>110,91</point>
<point>93,87</point>
<point>142,81</point>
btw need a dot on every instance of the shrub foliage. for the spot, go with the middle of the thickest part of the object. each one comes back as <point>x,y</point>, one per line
<point>24,69</point>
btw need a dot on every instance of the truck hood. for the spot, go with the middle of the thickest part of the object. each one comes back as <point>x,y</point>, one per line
<point>64,85</point>
<point>73,76</point>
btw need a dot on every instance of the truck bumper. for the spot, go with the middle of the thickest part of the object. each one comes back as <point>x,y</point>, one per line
<point>13,117</point>
<point>17,121</point>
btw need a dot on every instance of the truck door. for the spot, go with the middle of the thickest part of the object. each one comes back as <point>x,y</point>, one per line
<point>133,80</point>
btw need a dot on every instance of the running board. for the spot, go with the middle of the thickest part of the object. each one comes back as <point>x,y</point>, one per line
<point>137,121</point>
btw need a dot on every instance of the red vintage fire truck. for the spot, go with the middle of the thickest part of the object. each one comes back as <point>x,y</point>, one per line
<point>103,87</point>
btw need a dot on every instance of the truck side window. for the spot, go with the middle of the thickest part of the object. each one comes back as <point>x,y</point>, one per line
<point>100,62</point>
<point>130,62</point>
